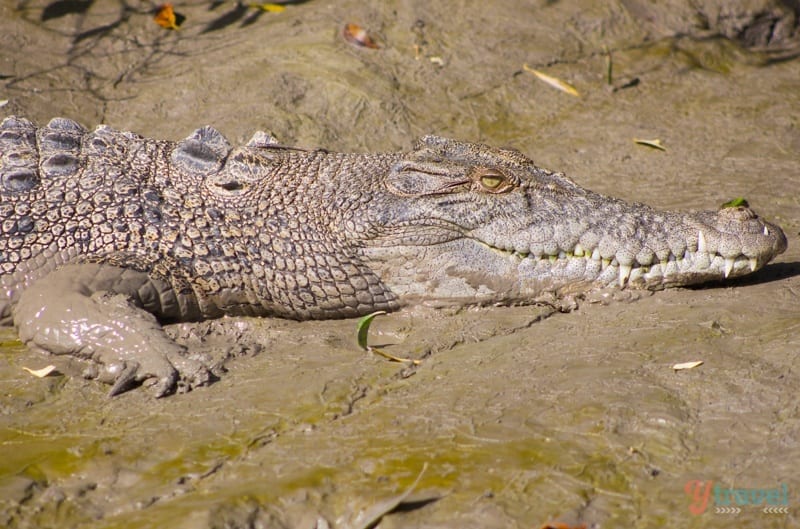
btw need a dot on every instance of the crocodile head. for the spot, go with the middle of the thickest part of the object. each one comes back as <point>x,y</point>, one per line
<point>466,223</point>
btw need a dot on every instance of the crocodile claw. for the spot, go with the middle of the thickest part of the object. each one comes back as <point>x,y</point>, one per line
<point>180,375</point>
<point>126,380</point>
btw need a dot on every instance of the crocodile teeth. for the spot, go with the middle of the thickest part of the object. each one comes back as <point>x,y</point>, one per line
<point>624,274</point>
<point>766,231</point>
<point>701,242</point>
<point>753,264</point>
<point>729,261</point>
<point>578,251</point>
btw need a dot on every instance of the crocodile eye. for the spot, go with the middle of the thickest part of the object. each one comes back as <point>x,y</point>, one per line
<point>493,181</point>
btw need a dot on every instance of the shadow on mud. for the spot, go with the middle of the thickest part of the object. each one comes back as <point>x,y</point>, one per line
<point>770,273</point>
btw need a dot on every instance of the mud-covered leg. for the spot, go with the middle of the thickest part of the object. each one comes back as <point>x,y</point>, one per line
<point>93,312</point>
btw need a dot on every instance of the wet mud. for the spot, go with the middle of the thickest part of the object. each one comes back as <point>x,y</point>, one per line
<point>516,416</point>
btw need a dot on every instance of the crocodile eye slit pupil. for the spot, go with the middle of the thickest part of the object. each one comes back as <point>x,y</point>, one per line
<point>491,181</point>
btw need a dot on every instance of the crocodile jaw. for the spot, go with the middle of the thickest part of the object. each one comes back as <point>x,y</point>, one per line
<point>469,270</point>
<point>719,245</point>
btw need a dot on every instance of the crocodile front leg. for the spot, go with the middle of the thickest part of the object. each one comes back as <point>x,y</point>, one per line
<point>94,312</point>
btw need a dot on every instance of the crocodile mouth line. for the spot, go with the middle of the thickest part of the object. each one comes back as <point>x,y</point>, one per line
<point>673,265</point>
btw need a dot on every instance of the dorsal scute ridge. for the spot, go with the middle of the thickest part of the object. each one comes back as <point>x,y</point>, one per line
<point>19,157</point>
<point>262,139</point>
<point>202,153</point>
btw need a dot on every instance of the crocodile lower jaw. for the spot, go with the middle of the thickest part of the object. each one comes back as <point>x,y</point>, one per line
<point>672,271</point>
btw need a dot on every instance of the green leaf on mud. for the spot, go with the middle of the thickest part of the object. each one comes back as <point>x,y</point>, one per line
<point>736,203</point>
<point>362,329</point>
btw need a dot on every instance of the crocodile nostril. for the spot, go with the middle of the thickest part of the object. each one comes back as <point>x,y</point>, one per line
<point>740,213</point>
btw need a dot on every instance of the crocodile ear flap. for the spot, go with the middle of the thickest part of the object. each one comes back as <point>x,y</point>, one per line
<point>431,168</point>
<point>411,178</point>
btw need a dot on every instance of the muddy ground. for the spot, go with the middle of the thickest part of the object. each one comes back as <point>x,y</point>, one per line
<point>516,416</point>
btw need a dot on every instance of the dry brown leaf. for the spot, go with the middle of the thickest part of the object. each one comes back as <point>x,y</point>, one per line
<point>655,144</point>
<point>687,365</point>
<point>166,17</point>
<point>270,8</point>
<point>43,372</point>
<point>358,36</point>
<point>552,81</point>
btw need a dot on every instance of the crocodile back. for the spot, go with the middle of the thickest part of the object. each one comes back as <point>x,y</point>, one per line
<point>67,194</point>
<point>233,231</point>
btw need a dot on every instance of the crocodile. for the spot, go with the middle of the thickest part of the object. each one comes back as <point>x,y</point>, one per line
<point>107,235</point>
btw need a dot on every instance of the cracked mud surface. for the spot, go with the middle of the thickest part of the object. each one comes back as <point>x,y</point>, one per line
<point>520,415</point>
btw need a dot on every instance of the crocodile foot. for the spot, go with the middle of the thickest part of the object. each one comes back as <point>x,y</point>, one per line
<point>125,344</point>
<point>163,374</point>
